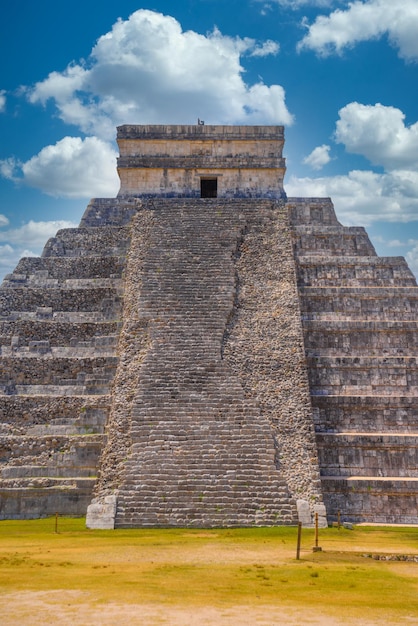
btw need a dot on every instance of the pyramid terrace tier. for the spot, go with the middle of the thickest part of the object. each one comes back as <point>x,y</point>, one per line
<point>373,413</point>
<point>104,300</point>
<point>33,415</point>
<point>326,240</point>
<point>363,375</point>
<point>371,499</point>
<point>366,454</point>
<point>346,271</point>
<point>359,337</point>
<point>92,242</point>
<point>37,270</point>
<point>359,303</point>
<point>44,334</point>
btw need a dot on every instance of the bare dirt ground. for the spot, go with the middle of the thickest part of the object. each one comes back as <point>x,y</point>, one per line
<point>67,608</point>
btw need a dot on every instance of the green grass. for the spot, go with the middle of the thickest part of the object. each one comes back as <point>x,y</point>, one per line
<point>200,569</point>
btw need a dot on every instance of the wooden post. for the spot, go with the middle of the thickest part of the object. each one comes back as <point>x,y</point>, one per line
<point>339,519</point>
<point>299,540</point>
<point>316,547</point>
<point>56,522</point>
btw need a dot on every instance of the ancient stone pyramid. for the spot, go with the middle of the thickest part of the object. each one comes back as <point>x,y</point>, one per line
<point>203,351</point>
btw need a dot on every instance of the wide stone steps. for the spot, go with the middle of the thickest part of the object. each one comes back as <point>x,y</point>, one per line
<point>201,453</point>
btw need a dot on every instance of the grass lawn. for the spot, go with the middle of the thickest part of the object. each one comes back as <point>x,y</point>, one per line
<point>186,577</point>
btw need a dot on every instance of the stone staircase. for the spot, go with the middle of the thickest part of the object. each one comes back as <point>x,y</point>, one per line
<point>215,428</point>
<point>59,327</point>
<point>359,315</point>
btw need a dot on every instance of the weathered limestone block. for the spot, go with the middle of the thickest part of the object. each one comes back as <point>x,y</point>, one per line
<point>101,514</point>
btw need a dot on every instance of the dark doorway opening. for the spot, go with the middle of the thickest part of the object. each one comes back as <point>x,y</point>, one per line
<point>208,187</point>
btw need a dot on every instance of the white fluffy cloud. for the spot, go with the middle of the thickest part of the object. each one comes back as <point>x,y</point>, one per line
<point>362,21</point>
<point>362,197</point>
<point>2,100</point>
<point>265,49</point>
<point>147,70</point>
<point>379,133</point>
<point>318,157</point>
<point>34,234</point>
<point>72,168</point>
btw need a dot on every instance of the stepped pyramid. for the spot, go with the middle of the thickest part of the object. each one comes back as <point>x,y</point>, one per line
<point>203,351</point>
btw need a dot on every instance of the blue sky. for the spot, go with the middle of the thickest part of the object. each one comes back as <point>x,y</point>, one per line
<point>341,76</point>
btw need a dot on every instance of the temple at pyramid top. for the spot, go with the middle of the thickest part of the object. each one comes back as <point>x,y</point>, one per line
<point>201,161</point>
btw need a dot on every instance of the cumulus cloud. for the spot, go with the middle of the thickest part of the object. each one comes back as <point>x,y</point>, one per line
<point>318,157</point>
<point>72,168</point>
<point>363,197</point>
<point>265,49</point>
<point>363,21</point>
<point>34,234</point>
<point>2,100</point>
<point>379,133</point>
<point>148,70</point>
